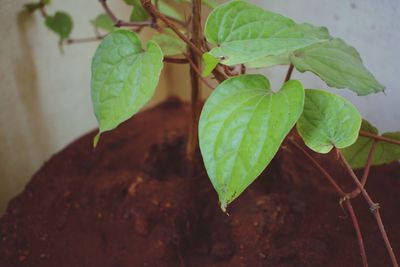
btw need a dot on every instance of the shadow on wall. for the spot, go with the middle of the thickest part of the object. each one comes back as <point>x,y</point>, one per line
<point>28,128</point>
<point>27,83</point>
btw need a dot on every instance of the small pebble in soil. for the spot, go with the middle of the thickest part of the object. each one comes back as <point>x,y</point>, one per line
<point>132,188</point>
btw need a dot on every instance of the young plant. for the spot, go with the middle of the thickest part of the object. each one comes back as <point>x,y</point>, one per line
<point>244,122</point>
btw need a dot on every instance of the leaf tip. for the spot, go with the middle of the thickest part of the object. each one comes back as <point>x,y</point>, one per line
<point>223,206</point>
<point>210,63</point>
<point>96,140</point>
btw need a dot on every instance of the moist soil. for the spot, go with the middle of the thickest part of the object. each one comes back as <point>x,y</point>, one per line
<point>130,202</point>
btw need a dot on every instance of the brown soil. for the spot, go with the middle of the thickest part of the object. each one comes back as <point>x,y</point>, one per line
<point>129,203</point>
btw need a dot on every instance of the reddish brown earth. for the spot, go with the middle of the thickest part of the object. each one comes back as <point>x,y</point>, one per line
<point>129,203</point>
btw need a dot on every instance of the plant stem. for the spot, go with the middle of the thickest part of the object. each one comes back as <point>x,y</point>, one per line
<point>379,138</point>
<point>108,10</point>
<point>84,40</point>
<point>198,72</point>
<point>374,207</point>
<point>322,169</point>
<point>153,11</point>
<point>195,48</point>
<point>120,23</point>
<point>176,60</point>
<point>364,178</point>
<point>195,59</point>
<point>289,73</point>
<point>344,197</point>
<point>354,219</point>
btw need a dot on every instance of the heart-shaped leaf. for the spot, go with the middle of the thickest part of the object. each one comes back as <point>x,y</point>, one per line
<point>338,64</point>
<point>124,77</point>
<point>60,23</point>
<point>357,154</point>
<point>242,126</point>
<point>328,121</point>
<point>244,32</point>
<point>104,22</point>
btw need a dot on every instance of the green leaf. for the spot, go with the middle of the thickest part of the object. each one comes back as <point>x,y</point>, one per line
<point>31,7</point>
<point>328,121</point>
<point>168,10</point>
<point>138,12</point>
<point>210,63</point>
<point>357,154</point>
<point>170,44</point>
<point>124,77</point>
<point>242,126</point>
<point>105,22</point>
<point>60,23</point>
<point>284,59</point>
<point>210,3</point>
<point>244,33</point>
<point>338,64</point>
<point>269,61</point>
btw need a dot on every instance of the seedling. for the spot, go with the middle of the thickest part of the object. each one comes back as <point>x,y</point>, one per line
<point>244,122</point>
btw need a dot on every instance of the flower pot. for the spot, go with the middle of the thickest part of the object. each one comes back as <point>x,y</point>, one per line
<point>130,202</point>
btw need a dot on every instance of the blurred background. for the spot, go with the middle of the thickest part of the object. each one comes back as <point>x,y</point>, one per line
<point>45,95</point>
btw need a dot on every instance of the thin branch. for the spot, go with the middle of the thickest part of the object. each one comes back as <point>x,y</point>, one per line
<point>196,49</point>
<point>108,10</point>
<point>289,73</point>
<point>121,23</point>
<point>84,40</point>
<point>182,23</point>
<point>198,72</point>
<point>228,70</point>
<point>233,70</point>
<point>322,169</point>
<point>176,60</point>
<point>344,197</point>
<point>374,207</point>
<point>364,178</point>
<point>358,232</point>
<point>43,11</point>
<point>153,11</point>
<point>379,138</point>
<point>219,75</point>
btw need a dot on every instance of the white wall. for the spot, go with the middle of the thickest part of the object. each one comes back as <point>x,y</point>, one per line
<point>44,95</point>
<point>373,28</point>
